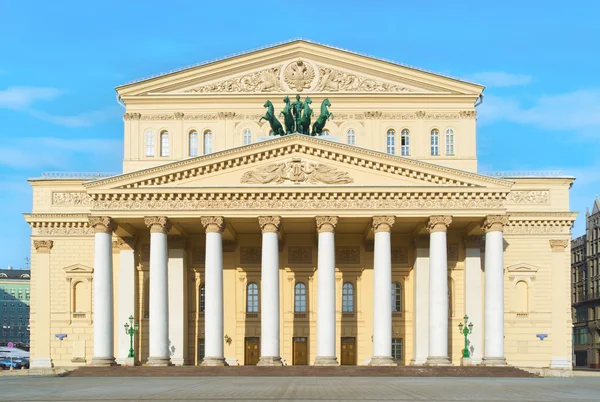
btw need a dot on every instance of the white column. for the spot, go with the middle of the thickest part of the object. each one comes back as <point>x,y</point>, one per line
<point>213,292</point>
<point>560,336</point>
<point>493,353</point>
<point>474,296</point>
<point>178,317</point>
<point>103,292</point>
<point>438,291</point>
<point>382,285</point>
<point>126,296</point>
<point>326,319</point>
<point>421,302</point>
<point>40,306</point>
<point>269,291</point>
<point>159,354</point>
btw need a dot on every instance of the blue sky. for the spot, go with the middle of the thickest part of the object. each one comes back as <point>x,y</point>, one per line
<point>60,62</point>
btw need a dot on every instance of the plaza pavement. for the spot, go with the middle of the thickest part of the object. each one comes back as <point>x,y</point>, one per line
<point>297,389</point>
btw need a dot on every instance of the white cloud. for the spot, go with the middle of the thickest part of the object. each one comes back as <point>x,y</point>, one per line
<point>18,98</point>
<point>500,79</point>
<point>574,111</point>
<point>86,119</point>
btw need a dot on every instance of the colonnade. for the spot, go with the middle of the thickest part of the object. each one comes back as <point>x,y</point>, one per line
<point>431,279</point>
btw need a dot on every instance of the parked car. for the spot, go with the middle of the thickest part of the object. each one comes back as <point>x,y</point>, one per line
<point>6,363</point>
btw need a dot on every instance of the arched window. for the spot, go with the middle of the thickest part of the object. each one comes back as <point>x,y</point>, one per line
<point>351,136</point>
<point>252,298</point>
<point>435,142</point>
<point>391,142</point>
<point>247,136</point>
<point>325,133</point>
<point>164,143</point>
<point>348,298</point>
<point>80,298</point>
<point>396,297</point>
<point>202,298</point>
<point>449,141</point>
<point>405,139</point>
<point>521,301</point>
<point>193,143</point>
<point>208,142</point>
<point>300,298</point>
<point>149,140</point>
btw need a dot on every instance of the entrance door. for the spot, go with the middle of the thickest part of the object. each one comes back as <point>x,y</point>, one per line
<point>300,352</point>
<point>348,357</point>
<point>252,351</point>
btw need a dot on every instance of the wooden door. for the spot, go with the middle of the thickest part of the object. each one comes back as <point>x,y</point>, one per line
<point>252,351</point>
<point>300,352</point>
<point>348,357</point>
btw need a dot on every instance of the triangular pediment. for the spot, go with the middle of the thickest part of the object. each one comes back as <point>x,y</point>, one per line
<point>299,161</point>
<point>78,269</point>
<point>298,66</point>
<point>522,268</point>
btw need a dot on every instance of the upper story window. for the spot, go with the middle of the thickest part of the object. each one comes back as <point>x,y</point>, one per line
<point>149,141</point>
<point>391,142</point>
<point>300,298</point>
<point>325,133</point>
<point>247,136</point>
<point>208,142</point>
<point>201,302</point>
<point>193,143</point>
<point>396,297</point>
<point>164,143</point>
<point>435,142</point>
<point>351,136</point>
<point>252,304</point>
<point>449,141</point>
<point>348,298</point>
<point>405,139</point>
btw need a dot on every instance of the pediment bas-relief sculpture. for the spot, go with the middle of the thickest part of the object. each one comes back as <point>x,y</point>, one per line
<point>296,171</point>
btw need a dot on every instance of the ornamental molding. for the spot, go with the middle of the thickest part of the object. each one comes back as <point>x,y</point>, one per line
<point>296,171</point>
<point>468,114</point>
<point>399,255</point>
<point>213,224</point>
<point>528,197</point>
<point>158,224</point>
<point>250,255</point>
<point>560,225</point>
<point>522,271</point>
<point>308,146</point>
<point>299,75</point>
<point>202,116</point>
<point>494,223</point>
<point>438,223</point>
<point>43,246</point>
<point>71,199</point>
<point>101,224</point>
<point>332,80</point>
<point>267,80</point>
<point>347,255</point>
<point>382,223</point>
<point>157,117</point>
<point>53,225</point>
<point>269,224</point>
<point>132,116</point>
<point>559,245</point>
<point>300,255</point>
<point>326,223</point>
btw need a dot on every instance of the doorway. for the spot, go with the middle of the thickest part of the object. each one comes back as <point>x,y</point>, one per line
<point>348,357</point>
<point>252,351</point>
<point>300,351</point>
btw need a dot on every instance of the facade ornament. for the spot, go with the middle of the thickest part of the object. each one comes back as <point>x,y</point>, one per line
<point>326,223</point>
<point>178,115</point>
<point>494,223</point>
<point>383,223</point>
<point>250,255</point>
<point>158,117</point>
<point>559,245</point>
<point>132,116</point>
<point>101,224</point>
<point>299,255</point>
<point>438,223</point>
<point>528,197</point>
<point>467,114</point>
<point>213,224</point>
<point>420,114</point>
<point>158,224</point>
<point>339,81</point>
<point>177,242</point>
<point>347,255</point>
<point>226,115</point>
<point>399,255</point>
<point>79,198</point>
<point>299,75</point>
<point>269,224</point>
<point>259,81</point>
<point>296,171</point>
<point>43,246</point>
<point>201,116</point>
<point>373,115</point>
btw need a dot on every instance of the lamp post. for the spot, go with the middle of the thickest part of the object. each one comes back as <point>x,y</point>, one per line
<point>131,328</point>
<point>466,331</point>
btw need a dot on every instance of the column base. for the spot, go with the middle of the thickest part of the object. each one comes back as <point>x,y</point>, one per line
<point>382,361</point>
<point>41,362</point>
<point>159,361</point>
<point>438,361</point>
<point>493,361</point>
<point>214,361</point>
<point>326,361</point>
<point>103,361</point>
<point>560,363</point>
<point>269,361</point>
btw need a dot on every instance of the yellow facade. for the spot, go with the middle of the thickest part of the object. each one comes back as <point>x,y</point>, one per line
<point>299,178</point>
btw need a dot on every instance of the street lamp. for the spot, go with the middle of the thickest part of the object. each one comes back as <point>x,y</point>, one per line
<point>466,331</point>
<point>131,328</point>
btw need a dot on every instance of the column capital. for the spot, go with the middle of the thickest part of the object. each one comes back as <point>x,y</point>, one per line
<point>158,224</point>
<point>473,241</point>
<point>494,223</point>
<point>177,242</point>
<point>101,224</point>
<point>558,245</point>
<point>43,246</point>
<point>326,223</point>
<point>383,223</point>
<point>438,223</point>
<point>213,224</point>
<point>269,224</point>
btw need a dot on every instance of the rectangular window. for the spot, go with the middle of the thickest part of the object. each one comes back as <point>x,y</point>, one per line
<point>397,348</point>
<point>200,350</point>
<point>194,144</point>
<point>149,143</point>
<point>164,144</point>
<point>208,143</point>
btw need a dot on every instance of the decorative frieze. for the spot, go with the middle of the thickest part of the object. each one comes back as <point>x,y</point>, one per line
<point>326,223</point>
<point>399,255</point>
<point>269,223</point>
<point>299,255</point>
<point>250,255</point>
<point>132,116</point>
<point>101,224</point>
<point>213,224</point>
<point>528,197</point>
<point>468,114</point>
<point>71,199</point>
<point>296,171</point>
<point>494,223</point>
<point>267,80</point>
<point>61,228</point>
<point>43,246</point>
<point>226,115</point>
<point>201,116</point>
<point>158,117</point>
<point>332,80</point>
<point>438,223</point>
<point>347,255</point>
<point>158,224</point>
<point>382,223</point>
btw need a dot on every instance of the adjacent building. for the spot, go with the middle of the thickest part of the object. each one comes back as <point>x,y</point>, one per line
<point>585,281</point>
<point>366,243</point>
<point>14,306</point>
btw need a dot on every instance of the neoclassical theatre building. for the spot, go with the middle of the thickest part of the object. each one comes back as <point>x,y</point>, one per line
<point>365,244</point>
